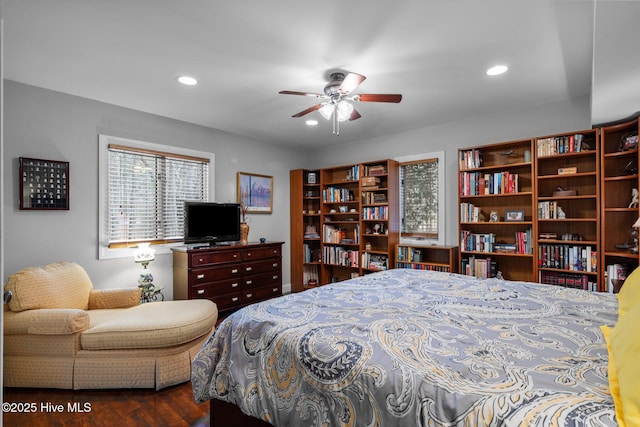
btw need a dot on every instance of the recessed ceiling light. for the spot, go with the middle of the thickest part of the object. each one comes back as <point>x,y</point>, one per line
<point>311,122</point>
<point>497,69</point>
<point>186,80</point>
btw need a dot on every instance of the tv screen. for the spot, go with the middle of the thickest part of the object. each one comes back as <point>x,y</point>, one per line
<point>208,222</point>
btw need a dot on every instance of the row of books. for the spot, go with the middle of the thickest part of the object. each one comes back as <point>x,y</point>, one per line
<point>333,234</point>
<point>337,255</point>
<point>310,254</point>
<point>430,267</point>
<point>560,145</point>
<point>374,261</point>
<point>409,254</point>
<point>372,198</point>
<point>567,257</point>
<point>616,274</point>
<point>568,280</point>
<point>477,183</point>
<point>310,272</point>
<point>469,212</point>
<point>470,159</point>
<point>549,210</point>
<point>476,242</point>
<point>336,195</point>
<point>375,170</point>
<point>375,212</point>
<point>479,267</point>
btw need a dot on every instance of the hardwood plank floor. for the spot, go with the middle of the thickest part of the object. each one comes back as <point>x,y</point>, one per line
<point>170,407</point>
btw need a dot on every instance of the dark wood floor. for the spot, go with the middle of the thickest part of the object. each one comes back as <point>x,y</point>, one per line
<point>171,407</point>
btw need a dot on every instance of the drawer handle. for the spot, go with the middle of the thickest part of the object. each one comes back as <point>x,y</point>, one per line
<point>248,253</point>
<point>234,271</point>
<point>235,255</point>
<point>249,295</point>
<point>200,291</point>
<point>200,259</point>
<point>275,289</point>
<point>200,276</point>
<point>249,282</point>
<point>275,264</point>
<point>248,269</point>
<point>234,285</point>
<point>234,299</point>
<point>275,277</point>
<point>275,252</point>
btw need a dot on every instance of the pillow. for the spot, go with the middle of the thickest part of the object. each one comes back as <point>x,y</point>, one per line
<point>61,285</point>
<point>629,295</point>
<point>625,352</point>
<point>614,384</point>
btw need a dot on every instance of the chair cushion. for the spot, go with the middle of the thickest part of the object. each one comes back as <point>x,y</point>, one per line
<point>60,285</point>
<point>150,325</point>
<point>114,298</point>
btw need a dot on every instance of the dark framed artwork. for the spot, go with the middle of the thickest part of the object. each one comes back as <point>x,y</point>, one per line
<point>514,216</point>
<point>255,192</point>
<point>44,184</point>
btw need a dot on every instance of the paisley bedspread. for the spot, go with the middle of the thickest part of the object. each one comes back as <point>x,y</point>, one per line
<point>415,348</point>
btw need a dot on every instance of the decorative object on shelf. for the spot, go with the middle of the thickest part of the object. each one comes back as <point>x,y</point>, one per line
<point>527,156</point>
<point>634,198</point>
<point>44,184</point>
<point>634,233</point>
<point>514,216</point>
<point>493,217</point>
<point>143,255</point>
<point>561,192</point>
<point>628,141</point>
<point>244,226</point>
<point>311,178</point>
<point>561,214</point>
<point>567,170</point>
<point>632,167</point>
<point>256,192</point>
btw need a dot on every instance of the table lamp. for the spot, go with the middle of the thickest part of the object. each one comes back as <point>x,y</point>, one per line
<point>144,254</point>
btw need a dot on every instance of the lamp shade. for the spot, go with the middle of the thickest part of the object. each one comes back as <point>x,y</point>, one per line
<point>326,110</point>
<point>344,110</point>
<point>144,253</point>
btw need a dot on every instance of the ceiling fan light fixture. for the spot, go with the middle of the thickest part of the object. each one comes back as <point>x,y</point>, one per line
<point>496,70</point>
<point>344,110</point>
<point>326,110</point>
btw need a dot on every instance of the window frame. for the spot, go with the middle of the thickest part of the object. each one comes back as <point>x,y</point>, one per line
<point>104,251</point>
<point>425,241</point>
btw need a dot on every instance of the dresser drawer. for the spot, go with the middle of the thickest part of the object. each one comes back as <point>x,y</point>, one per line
<point>202,259</point>
<point>210,290</point>
<point>259,280</point>
<point>261,253</point>
<point>257,267</point>
<point>260,294</point>
<point>228,301</point>
<point>205,275</point>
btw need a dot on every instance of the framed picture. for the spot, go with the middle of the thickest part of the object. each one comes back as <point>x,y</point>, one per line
<point>514,216</point>
<point>255,192</point>
<point>44,184</point>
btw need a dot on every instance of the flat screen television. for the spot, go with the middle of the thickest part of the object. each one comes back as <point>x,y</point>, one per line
<point>211,223</point>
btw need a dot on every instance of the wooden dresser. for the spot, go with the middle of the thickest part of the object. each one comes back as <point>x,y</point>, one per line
<point>231,276</point>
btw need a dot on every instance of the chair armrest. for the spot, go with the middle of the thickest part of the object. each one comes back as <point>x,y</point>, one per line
<point>114,298</point>
<point>46,321</point>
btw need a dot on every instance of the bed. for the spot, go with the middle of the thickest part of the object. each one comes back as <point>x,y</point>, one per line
<point>407,347</point>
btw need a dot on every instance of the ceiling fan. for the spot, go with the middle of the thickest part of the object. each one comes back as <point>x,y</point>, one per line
<point>336,93</point>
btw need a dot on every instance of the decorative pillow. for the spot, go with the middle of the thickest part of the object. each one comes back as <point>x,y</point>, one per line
<point>629,295</point>
<point>614,384</point>
<point>60,285</point>
<point>114,298</point>
<point>625,351</point>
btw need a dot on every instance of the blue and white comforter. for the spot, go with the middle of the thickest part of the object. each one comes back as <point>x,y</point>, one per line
<point>415,348</point>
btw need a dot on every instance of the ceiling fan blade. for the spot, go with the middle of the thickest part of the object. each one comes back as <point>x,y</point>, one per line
<point>307,111</point>
<point>354,115</point>
<point>373,97</point>
<point>292,92</point>
<point>350,82</point>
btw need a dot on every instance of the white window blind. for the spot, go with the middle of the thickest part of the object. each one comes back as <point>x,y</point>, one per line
<point>419,198</point>
<point>146,191</point>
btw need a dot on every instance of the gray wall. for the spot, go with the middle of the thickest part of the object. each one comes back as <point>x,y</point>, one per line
<point>44,124</point>
<point>548,119</point>
<point>49,125</point>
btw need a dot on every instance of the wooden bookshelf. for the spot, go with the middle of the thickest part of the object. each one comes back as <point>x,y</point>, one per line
<point>568,214</point>
<point>433,257</point>
<point>618,179</point>
<point>498,179</point>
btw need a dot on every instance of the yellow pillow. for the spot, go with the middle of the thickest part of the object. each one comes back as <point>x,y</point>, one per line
<point>625,350</point>
<point>614,385</point>
<point>629,295</point>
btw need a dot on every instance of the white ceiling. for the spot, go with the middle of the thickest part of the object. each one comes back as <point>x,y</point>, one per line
<point>434,52</point>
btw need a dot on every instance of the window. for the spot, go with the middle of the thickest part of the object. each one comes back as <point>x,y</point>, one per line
<point>143,188</point>
<point>421,198</point>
